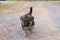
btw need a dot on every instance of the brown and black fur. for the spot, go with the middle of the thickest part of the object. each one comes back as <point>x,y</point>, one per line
<point>27,22</point>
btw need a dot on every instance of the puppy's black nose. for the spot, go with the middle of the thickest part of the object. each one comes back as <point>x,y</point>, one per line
<point>26,24</point>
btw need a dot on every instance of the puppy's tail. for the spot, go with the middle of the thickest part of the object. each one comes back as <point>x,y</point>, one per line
<point>30,11</point>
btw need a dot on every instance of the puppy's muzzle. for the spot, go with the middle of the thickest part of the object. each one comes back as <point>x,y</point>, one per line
<point>25,24</point>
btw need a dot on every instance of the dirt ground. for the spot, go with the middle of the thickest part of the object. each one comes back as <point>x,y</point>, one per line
<point>47,20</point>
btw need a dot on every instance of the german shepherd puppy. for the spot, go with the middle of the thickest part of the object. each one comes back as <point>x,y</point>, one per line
<point>27,22</point>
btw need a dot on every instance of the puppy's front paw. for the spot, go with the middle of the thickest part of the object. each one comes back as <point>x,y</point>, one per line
<point>25,34</point>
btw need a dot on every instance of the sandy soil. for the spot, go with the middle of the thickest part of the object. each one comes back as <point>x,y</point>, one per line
<point>47,20</point>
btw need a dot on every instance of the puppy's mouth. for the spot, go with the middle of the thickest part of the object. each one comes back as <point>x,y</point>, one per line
<point>25,24</point>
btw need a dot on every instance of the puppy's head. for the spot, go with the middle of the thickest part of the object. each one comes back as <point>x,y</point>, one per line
<point>26,19</point>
